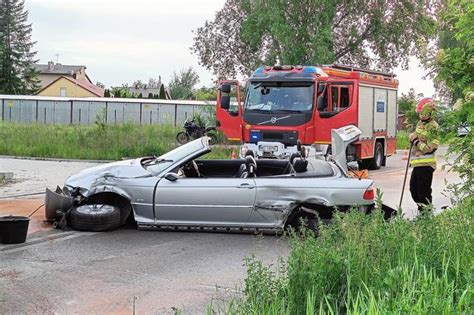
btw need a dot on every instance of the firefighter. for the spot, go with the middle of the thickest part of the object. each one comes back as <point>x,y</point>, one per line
<point>425,141</point>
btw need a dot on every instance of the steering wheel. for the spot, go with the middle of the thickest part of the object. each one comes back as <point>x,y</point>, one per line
<point>191,169</point>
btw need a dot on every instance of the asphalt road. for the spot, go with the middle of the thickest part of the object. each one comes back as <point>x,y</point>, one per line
<point>100,273</point>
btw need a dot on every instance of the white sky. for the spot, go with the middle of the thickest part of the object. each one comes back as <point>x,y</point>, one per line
<point>120,41</point>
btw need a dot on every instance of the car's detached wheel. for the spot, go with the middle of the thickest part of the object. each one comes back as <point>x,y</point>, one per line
<point>96,218</point>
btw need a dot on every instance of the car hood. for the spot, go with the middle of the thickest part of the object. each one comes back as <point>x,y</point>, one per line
<point>121,169</point>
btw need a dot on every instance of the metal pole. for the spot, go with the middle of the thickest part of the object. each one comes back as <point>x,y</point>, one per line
<point>406,172</point>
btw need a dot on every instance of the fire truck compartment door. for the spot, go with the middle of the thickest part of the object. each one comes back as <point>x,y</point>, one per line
<point>229,120</point>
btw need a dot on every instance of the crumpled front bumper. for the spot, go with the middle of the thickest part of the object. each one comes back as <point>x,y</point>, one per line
<point>56,200</point>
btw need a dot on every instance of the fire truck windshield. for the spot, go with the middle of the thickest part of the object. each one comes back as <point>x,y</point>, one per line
<point>280,97</point>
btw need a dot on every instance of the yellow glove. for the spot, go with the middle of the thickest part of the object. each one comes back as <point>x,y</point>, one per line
<point>412,137</point>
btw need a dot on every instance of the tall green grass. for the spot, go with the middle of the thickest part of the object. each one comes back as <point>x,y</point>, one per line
<point>364,265</point>
<point>95,142</point>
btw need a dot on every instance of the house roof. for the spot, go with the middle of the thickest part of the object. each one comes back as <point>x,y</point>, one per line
<point>144,91</point>
<point>94,89</point>
<point>57,68</point>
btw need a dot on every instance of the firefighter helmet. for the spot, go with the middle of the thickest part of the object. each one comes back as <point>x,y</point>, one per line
<point>426,107</point>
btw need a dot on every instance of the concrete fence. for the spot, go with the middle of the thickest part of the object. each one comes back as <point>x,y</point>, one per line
<point>85,111</point>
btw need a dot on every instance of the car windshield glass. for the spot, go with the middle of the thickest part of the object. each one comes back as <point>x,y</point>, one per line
<point>279,97</point>
<point>162,162</point>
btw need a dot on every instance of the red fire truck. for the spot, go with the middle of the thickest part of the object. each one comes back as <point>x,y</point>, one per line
<point>284,104</point>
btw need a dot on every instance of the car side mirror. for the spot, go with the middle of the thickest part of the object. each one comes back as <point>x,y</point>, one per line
<point>225,102</point>
<point>172,177</point>
<point>225,88</point>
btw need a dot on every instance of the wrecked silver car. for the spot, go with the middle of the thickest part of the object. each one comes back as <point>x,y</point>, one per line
<point>180,189</point>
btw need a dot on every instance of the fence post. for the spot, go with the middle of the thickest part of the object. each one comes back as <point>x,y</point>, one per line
<point>175,113</point>
<point>72,108</point>
<point>141,115</point>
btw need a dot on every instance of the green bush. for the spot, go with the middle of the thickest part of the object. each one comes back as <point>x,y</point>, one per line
<point>362,264</point>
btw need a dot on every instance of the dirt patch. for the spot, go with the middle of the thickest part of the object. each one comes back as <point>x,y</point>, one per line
<point>24,207</point>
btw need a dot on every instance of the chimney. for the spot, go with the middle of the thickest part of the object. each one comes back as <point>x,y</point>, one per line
<point>50,65</point>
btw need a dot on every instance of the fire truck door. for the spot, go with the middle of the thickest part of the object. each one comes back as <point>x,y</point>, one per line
<point>229,110</point>
<point>335,108</point>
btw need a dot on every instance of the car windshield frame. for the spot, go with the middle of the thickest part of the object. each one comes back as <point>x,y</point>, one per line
<point>163,162</point>
<point>280,97</point>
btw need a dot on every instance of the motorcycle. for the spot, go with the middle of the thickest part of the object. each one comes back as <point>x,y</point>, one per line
<point>192,131</point>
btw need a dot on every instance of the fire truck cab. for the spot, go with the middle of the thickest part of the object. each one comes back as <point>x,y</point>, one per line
<point>284,105</point>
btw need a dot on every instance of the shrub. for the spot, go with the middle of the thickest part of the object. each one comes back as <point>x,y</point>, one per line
<point>362,264</point>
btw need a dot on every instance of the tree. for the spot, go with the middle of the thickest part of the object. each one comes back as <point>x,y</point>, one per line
<point>181,85</point>
<point>17,74</point>
<point>448,57</point>
<point>453,68</point>
<point>206,94</point>
<point>162,94</point>
<point>407,105</point>
<point>375,34</point>
<point>100,84</point>
<point>107,93</point>
<point>154,83</point>
<point>138,84</point>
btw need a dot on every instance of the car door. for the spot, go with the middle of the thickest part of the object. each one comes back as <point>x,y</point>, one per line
<point>274,200</point>
<point>205,201</point>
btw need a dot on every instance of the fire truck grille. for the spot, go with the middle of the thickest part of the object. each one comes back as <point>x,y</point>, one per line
<point>287,138</point>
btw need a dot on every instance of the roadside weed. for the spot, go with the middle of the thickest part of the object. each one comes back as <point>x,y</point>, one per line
<point>362,264</point>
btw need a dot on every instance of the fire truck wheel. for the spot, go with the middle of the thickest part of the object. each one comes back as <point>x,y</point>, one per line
<point>377,161</point>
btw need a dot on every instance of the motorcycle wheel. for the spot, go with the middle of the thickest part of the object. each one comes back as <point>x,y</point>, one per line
<point>182,137</point>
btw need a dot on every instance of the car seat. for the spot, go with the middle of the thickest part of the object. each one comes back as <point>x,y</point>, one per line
<point>298,161</point>
<point>243,173</point>
<point>300,165</point>
<point>251,166</point>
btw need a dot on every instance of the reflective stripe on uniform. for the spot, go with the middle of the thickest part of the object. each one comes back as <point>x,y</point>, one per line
<point>424,156</point>
<point>426,159</point>
<point>423,161</point>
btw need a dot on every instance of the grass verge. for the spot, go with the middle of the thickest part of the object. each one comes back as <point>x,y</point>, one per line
<point>363,265</point>
<point>95,142</point>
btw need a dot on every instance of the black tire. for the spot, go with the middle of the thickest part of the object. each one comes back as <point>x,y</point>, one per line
<point>312,224</point>
<point>307,222</point>
<point>377,160</point>
<point>212,138</point>
<point>364,164</point>
<point>95,218</point>
<point>182,137</point>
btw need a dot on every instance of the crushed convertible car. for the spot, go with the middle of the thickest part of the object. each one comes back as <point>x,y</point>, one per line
<point>180,189</point>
